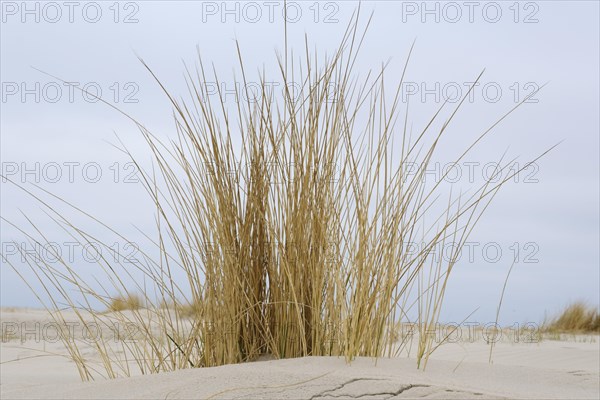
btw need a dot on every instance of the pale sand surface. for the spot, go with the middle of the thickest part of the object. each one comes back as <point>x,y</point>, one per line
<point>550,369</point>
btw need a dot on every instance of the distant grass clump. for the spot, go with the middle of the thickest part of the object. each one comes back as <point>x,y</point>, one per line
<point>577,317</point>
<point>289,216</point>
<point>129,302</point>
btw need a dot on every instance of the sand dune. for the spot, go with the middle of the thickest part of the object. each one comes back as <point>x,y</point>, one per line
<point>550,369</point>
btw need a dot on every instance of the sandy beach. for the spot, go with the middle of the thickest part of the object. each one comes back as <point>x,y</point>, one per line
<point>565,367</point>
<point>300,200</point>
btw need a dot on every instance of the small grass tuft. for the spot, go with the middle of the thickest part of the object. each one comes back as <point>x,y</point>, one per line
<point>577,317</point>
<point>189,310</point>
<point>129,302</point>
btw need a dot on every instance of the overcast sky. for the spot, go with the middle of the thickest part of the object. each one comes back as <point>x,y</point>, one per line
<point>550,215</point>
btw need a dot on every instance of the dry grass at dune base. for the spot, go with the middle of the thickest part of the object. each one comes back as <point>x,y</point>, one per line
<point>129,302</point>
<point>577,317</point>
<point>307,253</point>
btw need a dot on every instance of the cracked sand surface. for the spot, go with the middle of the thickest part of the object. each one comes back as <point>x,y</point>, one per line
<point>330,378</point>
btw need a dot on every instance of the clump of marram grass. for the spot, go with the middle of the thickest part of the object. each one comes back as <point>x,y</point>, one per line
<point>577,317</point>
<point>129,302</point>
<point>289,218</point>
